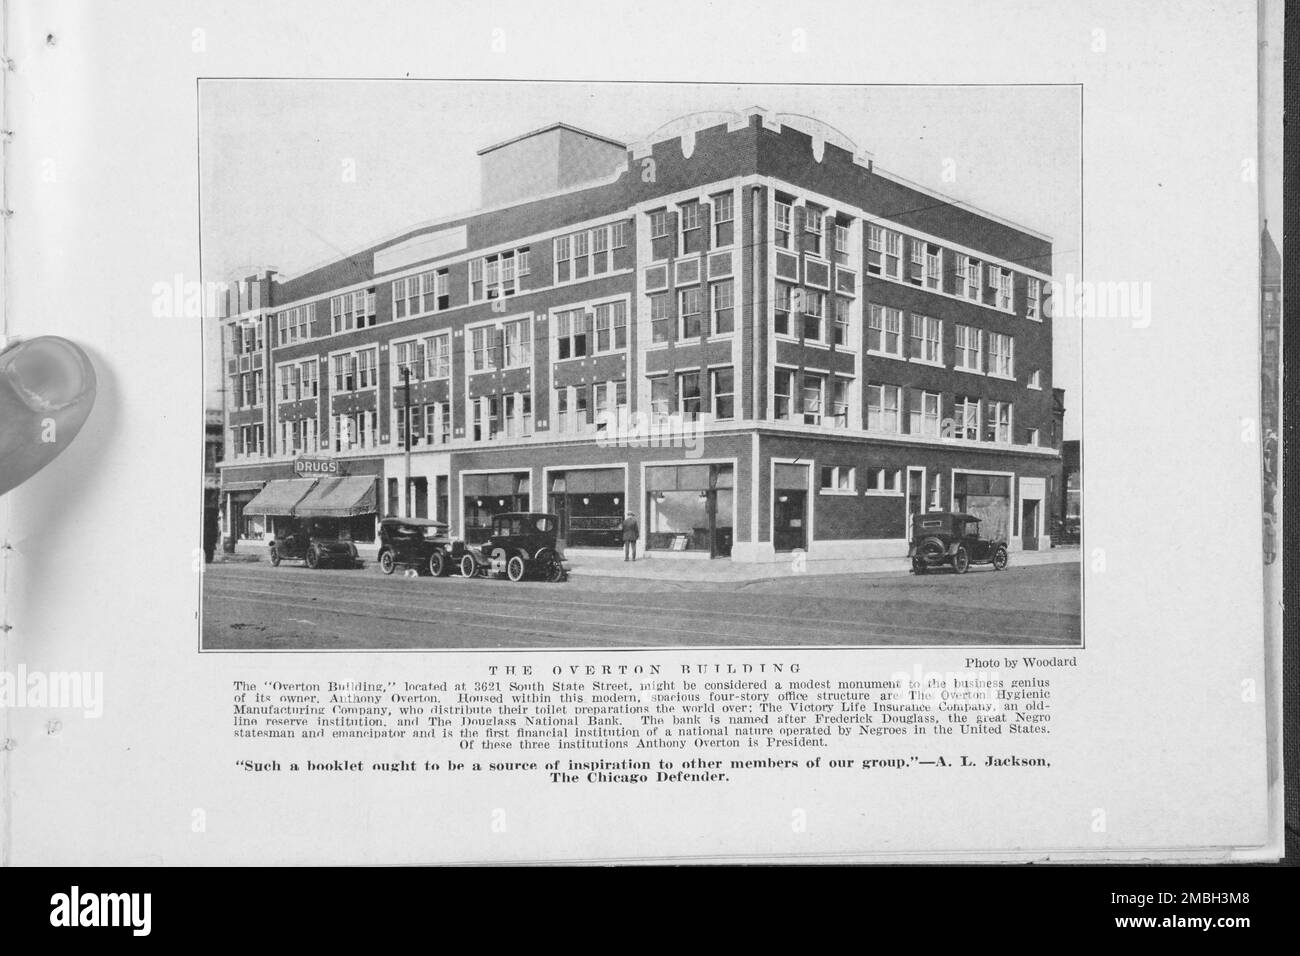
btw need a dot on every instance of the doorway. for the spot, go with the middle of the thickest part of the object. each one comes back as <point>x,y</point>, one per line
<point>915,495</point>
<point>1029,509</point>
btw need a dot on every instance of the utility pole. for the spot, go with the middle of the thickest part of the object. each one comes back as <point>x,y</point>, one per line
<point>406,400</point>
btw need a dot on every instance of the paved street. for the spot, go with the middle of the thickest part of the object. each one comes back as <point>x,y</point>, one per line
<point>255,606</point>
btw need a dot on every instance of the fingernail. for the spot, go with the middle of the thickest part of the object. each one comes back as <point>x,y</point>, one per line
<point>48,373</point>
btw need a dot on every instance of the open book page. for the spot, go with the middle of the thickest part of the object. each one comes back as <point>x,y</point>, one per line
<point>679,461</point>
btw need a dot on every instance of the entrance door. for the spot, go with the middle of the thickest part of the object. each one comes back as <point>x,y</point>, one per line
<point>1029,523</point>
<point>790,520</point>
<point>915,495</point>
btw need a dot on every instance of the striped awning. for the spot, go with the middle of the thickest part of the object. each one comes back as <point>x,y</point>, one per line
<point>338,498</point>
<point>279,496</point>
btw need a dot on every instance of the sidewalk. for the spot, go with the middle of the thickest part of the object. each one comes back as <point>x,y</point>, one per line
<point>656,568</point>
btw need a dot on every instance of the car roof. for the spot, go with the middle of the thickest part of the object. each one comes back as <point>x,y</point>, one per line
<point>417,522</point>
<point>959,515</point>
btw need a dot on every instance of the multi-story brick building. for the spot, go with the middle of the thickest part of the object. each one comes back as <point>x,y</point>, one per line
<point>741,329</point>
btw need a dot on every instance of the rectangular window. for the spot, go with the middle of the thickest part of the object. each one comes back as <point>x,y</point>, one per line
<point>724,314</point>
<point>600,250</point>
<point>659,224</point>
<point>723,220</point>
<point>781,226</point>
<point>517,343</point>
<point>892,267</point>
<point>841,239</point>
<point>783,391</point>
<point>690,216</point>
<point>723,391</point>
<point>1031,437</point>
<point>884,481</point>
<point>875,249</point>
<point>1036,378</point>
<point>406,297</point>
<point>923,419</point>
<point>1001,281</point>
<point>345,373</point>
<point>659,398</point>
<point>571,334</point>
<point>308,384</point>
<point>966,412</point>
<point>1033,299</point>
<point>883,414</point>
<point>690,310</point>
<point>581,254</point>
<point>689,400</point>
<point>482,355</point>
<point>781,309</point>
<point>839,414</point>
<point>814,227</point>
<point>970,349</point>
<point>410,360</point>
<point>927,339</point>
<point>563,256</point>
<point>885,331</point>
<point>1000,422</point>
<point>843,313</point>
<point>933,267</point>
<point>618,235</point>
<point>1002,355</point>
<point>916,268</point>
<point>811,395</point>
<point>611,327</point>
<point>969,272</point>
<point>837,479</point>
<point>814,315</point>
<point>660,320</point>
<point>438,354</point>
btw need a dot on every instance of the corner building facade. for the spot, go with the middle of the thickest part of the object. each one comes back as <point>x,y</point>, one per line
<point>740,329</point>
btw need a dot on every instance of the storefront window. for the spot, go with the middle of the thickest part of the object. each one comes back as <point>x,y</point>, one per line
<point>590,505</point>
<point>489,495</point>
<point>689,508</point>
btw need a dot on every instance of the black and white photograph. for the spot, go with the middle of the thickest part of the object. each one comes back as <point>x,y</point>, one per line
<point>640,365</point>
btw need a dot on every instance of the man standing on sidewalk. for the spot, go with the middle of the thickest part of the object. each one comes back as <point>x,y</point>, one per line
<point>631,531</point>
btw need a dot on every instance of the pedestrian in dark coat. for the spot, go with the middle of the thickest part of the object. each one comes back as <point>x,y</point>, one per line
<point>631,532</point>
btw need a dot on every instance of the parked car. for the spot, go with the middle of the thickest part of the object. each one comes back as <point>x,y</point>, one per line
<point>522,544</point>
<point>950,538</point>
<point>418,543</point>
<point>318,542</point>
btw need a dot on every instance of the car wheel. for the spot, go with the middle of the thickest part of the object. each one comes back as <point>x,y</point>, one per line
<point>386,562</point>
<point>516,568</point>
<point>313,558</point>
<point>961,561</point>
<point>999,559</point>
<point>919,566</point>
<point>275,557</point>
<point>437,564</point>
<point>468,566</point>
<point>553,570</point>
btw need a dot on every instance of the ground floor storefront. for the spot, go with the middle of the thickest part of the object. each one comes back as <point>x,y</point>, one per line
<point>751,496</point>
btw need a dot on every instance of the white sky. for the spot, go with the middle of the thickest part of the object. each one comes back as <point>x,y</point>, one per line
<point>273,155</point>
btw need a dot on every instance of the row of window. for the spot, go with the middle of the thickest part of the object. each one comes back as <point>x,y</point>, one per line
<point>817,221</point>
<point>294,325</point>
<point>690,238</point>
<point>421,294</point>
<point>497,275</point>
<point>587,252</point>
<point>839,479</point>
<point>690,400</point>
<point>692,320</point>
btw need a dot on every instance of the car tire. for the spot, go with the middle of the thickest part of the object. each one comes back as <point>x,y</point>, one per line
<point>516,568</point>
<point>313,558</point>
<point>387,563</point>
<point>275,557</point>
<point>553,568</point>
<point>999,559</point>
<point>961,561</point>
<point>437,564</point>
<point>468,566</point>
<point>919,566</point>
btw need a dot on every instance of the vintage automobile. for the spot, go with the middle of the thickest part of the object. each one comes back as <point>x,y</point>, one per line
<point>418,543</point>
<point>950,538</point>
<point>522,544</point>
<point>318,542</point>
